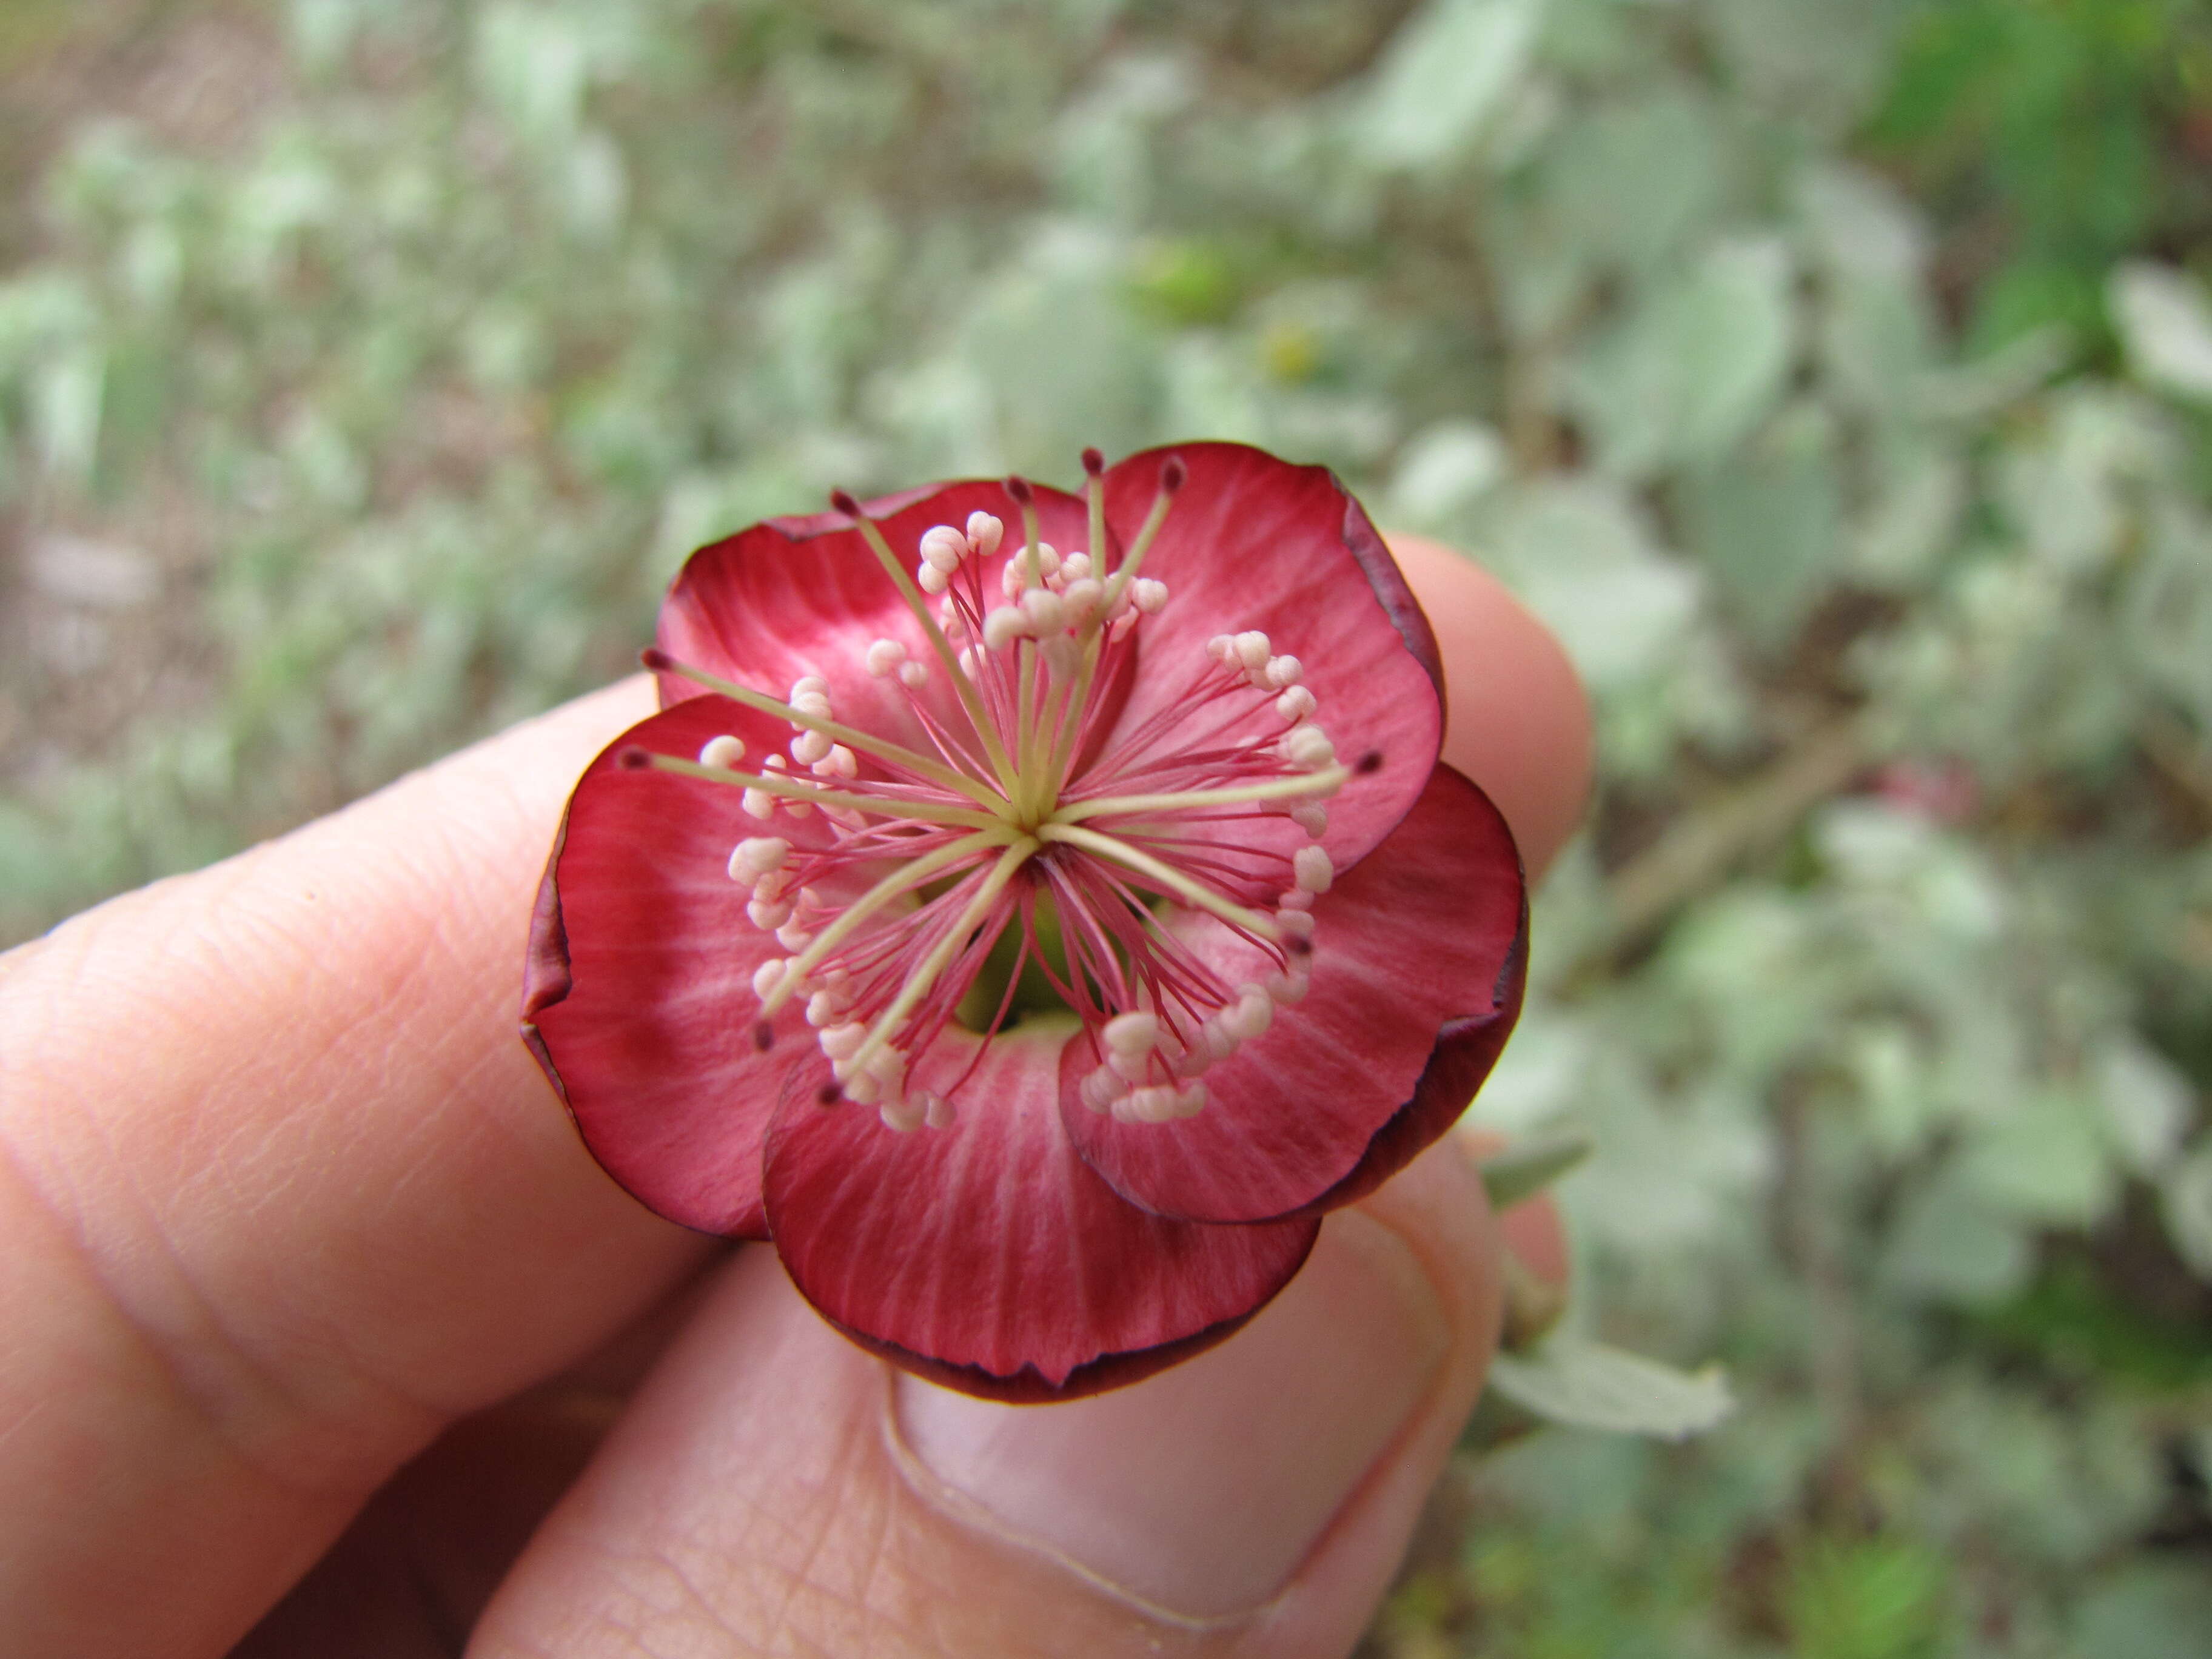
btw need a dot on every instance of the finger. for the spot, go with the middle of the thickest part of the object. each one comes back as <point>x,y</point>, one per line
<point>282,1193</point>
<point>1517,722</point>
<point>774,1489</point>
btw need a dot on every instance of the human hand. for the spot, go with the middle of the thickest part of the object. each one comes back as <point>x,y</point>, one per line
<point>299,1263</point>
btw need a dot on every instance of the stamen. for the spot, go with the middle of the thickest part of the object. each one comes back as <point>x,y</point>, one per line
<point>934,845</point>
<point>881,749</point>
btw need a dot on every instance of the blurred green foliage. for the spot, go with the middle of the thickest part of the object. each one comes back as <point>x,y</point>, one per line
<point>1836,379</point>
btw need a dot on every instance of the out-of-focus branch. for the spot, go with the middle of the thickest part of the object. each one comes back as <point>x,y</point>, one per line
<point>2173,749</point>
<point>1696,853</point>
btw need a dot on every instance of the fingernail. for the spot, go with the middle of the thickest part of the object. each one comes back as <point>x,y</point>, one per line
<point>1200,1490</point>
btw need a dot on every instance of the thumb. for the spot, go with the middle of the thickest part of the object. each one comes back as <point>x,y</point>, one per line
<point>774,1489</point>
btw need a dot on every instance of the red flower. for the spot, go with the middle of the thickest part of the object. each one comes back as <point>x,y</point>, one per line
<point>1083,946</point>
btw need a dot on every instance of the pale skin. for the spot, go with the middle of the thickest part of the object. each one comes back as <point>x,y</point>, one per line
<point>301,1262</point>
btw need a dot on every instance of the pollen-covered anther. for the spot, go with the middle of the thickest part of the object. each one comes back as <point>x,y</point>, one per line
<point>1149,597</point>
<point>723,752</point>
<point>984,529</point>
<point>884,656</point>
<point>1252,649</point>
<point>1296,704</point>
<point>768,977</point>
<point>810,746</point>
<point>1282,671</point>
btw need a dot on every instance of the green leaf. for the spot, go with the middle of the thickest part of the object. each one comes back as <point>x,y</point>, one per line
<point>1689,373</point>
<point>1570,1380</point>
<point>1527,1167</point>
<point>2166,326</point>
<point>1444,77</point>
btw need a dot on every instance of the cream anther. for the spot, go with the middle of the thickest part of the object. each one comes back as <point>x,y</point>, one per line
<point>936,1109</point>
<point>723,752</point>
<point>1132,1064</point>
<point>913,675</point>
<point>823,1008</point>
<point>810,746</point>
<point>983,533</point>
<point>842,1042</point>
<point>884,656</point>
<point>930,580</point>
<point>771,915</point>
<point>757,803</point>
<point>1044,609</point>
<point>1289,988</point>
<point>1252,648</point>
<point>1153,1104</point>
<point>839,763</point>
<point>1295,900</point>
<point>758,855</point>
<point>1148,595</point>
<point>1082,601</point>
<point>1222,649</point>
<point>1294,704</point>
<point>903,1116</point>
<point>1285,671</point>
<point>794,937</point>
<point>1075,566</point>
<point>1002,627</point>
<point>1135,1032</point>
<point>1190,1099</point>
<point>1313,819</point>
<point>1099,1090</point>
<point>1296,924</point>
<point>1311,869</point>
<point>1308,747</point>
<point>1015,578</point>
<point>769,975</point>
<point>1249,1016</point>
<point>943,547</point>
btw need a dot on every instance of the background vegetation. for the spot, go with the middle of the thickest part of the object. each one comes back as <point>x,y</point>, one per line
<point>1837,379</point>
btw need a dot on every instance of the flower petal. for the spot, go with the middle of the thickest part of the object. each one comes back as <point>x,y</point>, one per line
<point>987,1257</point>
<point>1420,960</point>
<point>797,596</point>
<point>1252,541</point>
<point>639,1001</point>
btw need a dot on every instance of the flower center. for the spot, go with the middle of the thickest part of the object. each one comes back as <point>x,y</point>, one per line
<point>1095,850</point>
